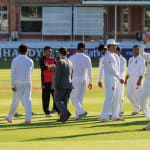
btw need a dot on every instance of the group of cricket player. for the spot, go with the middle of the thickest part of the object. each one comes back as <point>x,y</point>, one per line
<point>117,76</point>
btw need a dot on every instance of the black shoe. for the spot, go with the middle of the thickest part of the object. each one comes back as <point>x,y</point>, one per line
<point>60,120</point>
<point>66,117</point>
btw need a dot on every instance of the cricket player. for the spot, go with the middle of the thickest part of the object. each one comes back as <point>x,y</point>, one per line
<point>81,64</point>
<point>21,71</point>
<point>135,72</point>
<point>123,64</point>
<point>102,49</point>
<point>117,91</point>
<point>145,93</point>
<point>111,77</point>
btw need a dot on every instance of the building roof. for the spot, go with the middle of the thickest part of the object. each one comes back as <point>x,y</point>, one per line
<point>117,2</point>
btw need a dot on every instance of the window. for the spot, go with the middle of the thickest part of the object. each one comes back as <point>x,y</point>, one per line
<point>31,19</point>
<point>125,19</point>
<point>3,19</point>
<point>147,19</point>
<point>88,21</point>
<point>57,21</point>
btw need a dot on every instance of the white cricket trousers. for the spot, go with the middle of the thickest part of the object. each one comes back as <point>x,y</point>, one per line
<point>145,97</point>
<point>77,94</point>
<point>121,89</point>
<point>23,93</point>
<point>111,103</point>
<point>133,93</point>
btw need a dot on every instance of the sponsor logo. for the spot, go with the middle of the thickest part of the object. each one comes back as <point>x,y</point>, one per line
<point>113,88</point>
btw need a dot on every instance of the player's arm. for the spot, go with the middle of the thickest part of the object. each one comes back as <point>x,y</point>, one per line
<point>109,62</point>
<point>42,64</point>
<point>126,79</point>
<point>100,72</point>
<point>89,67</point>
<point>32,68</point>
<point>142,70</point>
<point>57,75</point>
<point>129,70</point>
<point>13,75</point>
<point>145,55</point>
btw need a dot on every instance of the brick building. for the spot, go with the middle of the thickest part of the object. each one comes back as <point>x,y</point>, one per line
<point>73,19</point>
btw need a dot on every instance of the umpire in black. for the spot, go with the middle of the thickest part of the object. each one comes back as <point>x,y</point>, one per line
<point>62,84</point>
<point>47,65</point>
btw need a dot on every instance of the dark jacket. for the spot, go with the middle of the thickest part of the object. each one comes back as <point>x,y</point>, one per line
<point>63,74</point>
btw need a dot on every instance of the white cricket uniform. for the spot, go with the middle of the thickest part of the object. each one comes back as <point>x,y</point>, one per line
<point>117,91</point>
<point>81,64</point>
<point>145,93</point>
<point>100,75</point>
<point>21,71</point>
<point>136,68</point>
<point>111,76</point>
<point>123,64</point>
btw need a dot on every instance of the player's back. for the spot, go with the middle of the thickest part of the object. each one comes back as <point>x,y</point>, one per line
<point>80,63</point>
<point>22,67</point>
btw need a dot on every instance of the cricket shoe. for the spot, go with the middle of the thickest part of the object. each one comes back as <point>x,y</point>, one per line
<point>147,127</point>
<point>27,122</point>
<point>48,115</point>
<point>122,112</point>
<point>81,115</point>
<point>9,121</point>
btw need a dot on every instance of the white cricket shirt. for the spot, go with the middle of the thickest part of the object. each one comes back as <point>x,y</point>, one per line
<point>81,65</point>
<point>21,70</point>
<point>136,67</point>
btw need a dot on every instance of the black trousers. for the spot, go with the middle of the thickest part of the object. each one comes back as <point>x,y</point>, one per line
<point>61,99</point>
<point>46,91</point>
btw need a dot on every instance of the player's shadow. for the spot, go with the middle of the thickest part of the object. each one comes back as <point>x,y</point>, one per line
<point>82,135</point>
<point>49,123</point>
<point>133,116</point>
<point>118,124</point>
<point>90,122</point>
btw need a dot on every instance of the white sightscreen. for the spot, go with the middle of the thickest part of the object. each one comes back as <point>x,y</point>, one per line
<point>88,21</point>
<point>57,21</point>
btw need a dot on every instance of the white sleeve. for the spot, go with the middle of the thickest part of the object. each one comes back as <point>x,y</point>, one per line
<point>145,55</point>
<point>89,66</point>
<point>128,70</point>
<point>142,67</point>
<point>109,64</point>
<point>123,65</point>
<point>32,68</point>
<point>70,58</point>
<point>13,74</point>
<point>101,68</point>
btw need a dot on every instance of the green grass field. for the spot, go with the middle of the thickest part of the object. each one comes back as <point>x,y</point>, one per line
<point>86,134</point>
